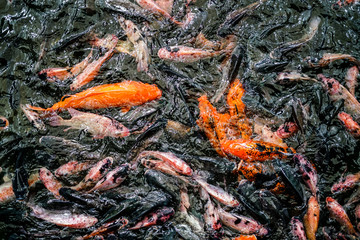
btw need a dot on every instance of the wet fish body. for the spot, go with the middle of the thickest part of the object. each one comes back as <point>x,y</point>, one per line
<point>112,179</point>
<point>351,78</point>
<point>99,126</point>
<point>64,218</point>
<point>186,54</point>
<point>50,182</point>
<point>289,77</point>
<point>71,168</point>
<point>154,8</point>
<point>95,174</point>
<point>338,213</point>
<point>124,94</point>
<point>158,217</point>
<point>349,182</point>
<point>328,58</point>
<point>297,229</point>
<point>33,117</point>
<point>311,218</point>
<point>242,224</point>
<point>108,228</point>
<point>308,173</point>
<point>287,130</point>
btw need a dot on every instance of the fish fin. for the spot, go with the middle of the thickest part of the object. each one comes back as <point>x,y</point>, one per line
<point>125,109</point>
<point>55,120</point>
<point>73,112</point>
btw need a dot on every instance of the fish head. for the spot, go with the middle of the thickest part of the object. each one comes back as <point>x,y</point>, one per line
<point>119,130</point>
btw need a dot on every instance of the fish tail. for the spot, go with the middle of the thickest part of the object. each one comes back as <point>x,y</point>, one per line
<point>55,120</point>
<point>35,108</point>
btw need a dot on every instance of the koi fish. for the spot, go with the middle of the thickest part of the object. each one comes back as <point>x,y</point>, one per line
<point>124,94</point>
<point>95,174</point>
<point>33,117</point>
<point>4,123</point>
<point>217,193</point>
<point>201,41</point>
<point>266,135</point>
<point>348,183</point>
<point>289,46</point>
<point>252,170</point>
<point>99,126</point>
<point>338,213</point>
<point>287,130</point>
<point>7,192</point>
<point>167,5</point>
<point>328,58</point>
<point>71,168</point>
<point>61,74</point>
<point>311,218</point>
<point>338,92</point>
<point>158,217</point>
<point>250,150</point>
<point>112,179</point>
<point>351,79</point>
<point>171,159</point>
<point>49,181</point>
<point>141,50</point>
<point>90,72</point>
<point>151,6</point>
<point>244,225</point>
<point>288,77</point>
<point>308,172</point>
<point>121,46</point>
<point>297,229</point>
<point>245,237</point>
<point>108,228</point>
<point>64,218</point>
<point>187,54</point>
<point>351,126</point>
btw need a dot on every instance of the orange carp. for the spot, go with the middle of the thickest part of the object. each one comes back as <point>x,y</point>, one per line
<point>338,213</point>
<point>311,218</point>
<point>124,94</point>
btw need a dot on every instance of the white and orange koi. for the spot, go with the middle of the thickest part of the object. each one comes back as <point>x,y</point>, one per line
<point>338,213</point>
<point>112,179</point>
<point>311,218</point>
<point>187,54</point>
<point>151,6</point>
<point>328,58</point>
<point>351,126</point>
<point>50,182</point>
<point>158,217</point>
<point>217,193</point>
<point>121,46</point>
<point>71,168</point>
<point>171,159</point>
<point>95,174</point>
<point>91,70</point>
<point>351,79</point>
<point>141,50</point>
<point>244,225</point>
<point>349,182</point>
<point>33,117</point>
<point>297,229</point>
<point>64,218</point>
<point>99,126</point>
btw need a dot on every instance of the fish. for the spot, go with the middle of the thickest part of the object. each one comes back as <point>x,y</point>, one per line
<point>308,172</point>
<point>108,228</point>
<point>211,218</point>
<point>94,174</point>
<point>338,213</point>
<point>121,47</point>
<point>273,205</point>
<point>7,192</point>
<point>154,8</point>
<point>235,17</point>
<point>357,216</point>
<point>289,77</point>
<point>328,58</point>
<point>141,50</point>
<point>244,225</point>
<point>64,218</point>
<point>33,117</point>
<point>269,65</point>
<point>112,179</point>
<point>351,78</point>
<point>186,54</point>
<point>99,126</point>
<point>339,92</point>
<point>311,218</point>
<point>254,170</point>
<point>167,5</point>
<point>250,150</point>
<point>200,41</point>
<point>351,126</point>
<point>283,49</point>
<point>91,70</point>
<point>49,181</point>
<point>217,193</point>
<point>158,217</point>
<point>4,123</point>
<point>287,130</point>
<point>124,94</point>
<point>246,237</point>
<point>71,168</point>
<point>349,182</point>
<point>61,74</point>
<point>171,159</point>
<point>297,229</point>
<point>265,134</point>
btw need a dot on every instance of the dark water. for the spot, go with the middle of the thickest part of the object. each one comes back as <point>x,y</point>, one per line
<point>41,34</point>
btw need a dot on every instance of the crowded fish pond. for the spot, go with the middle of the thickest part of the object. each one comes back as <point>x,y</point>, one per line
<point>193,119</point>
